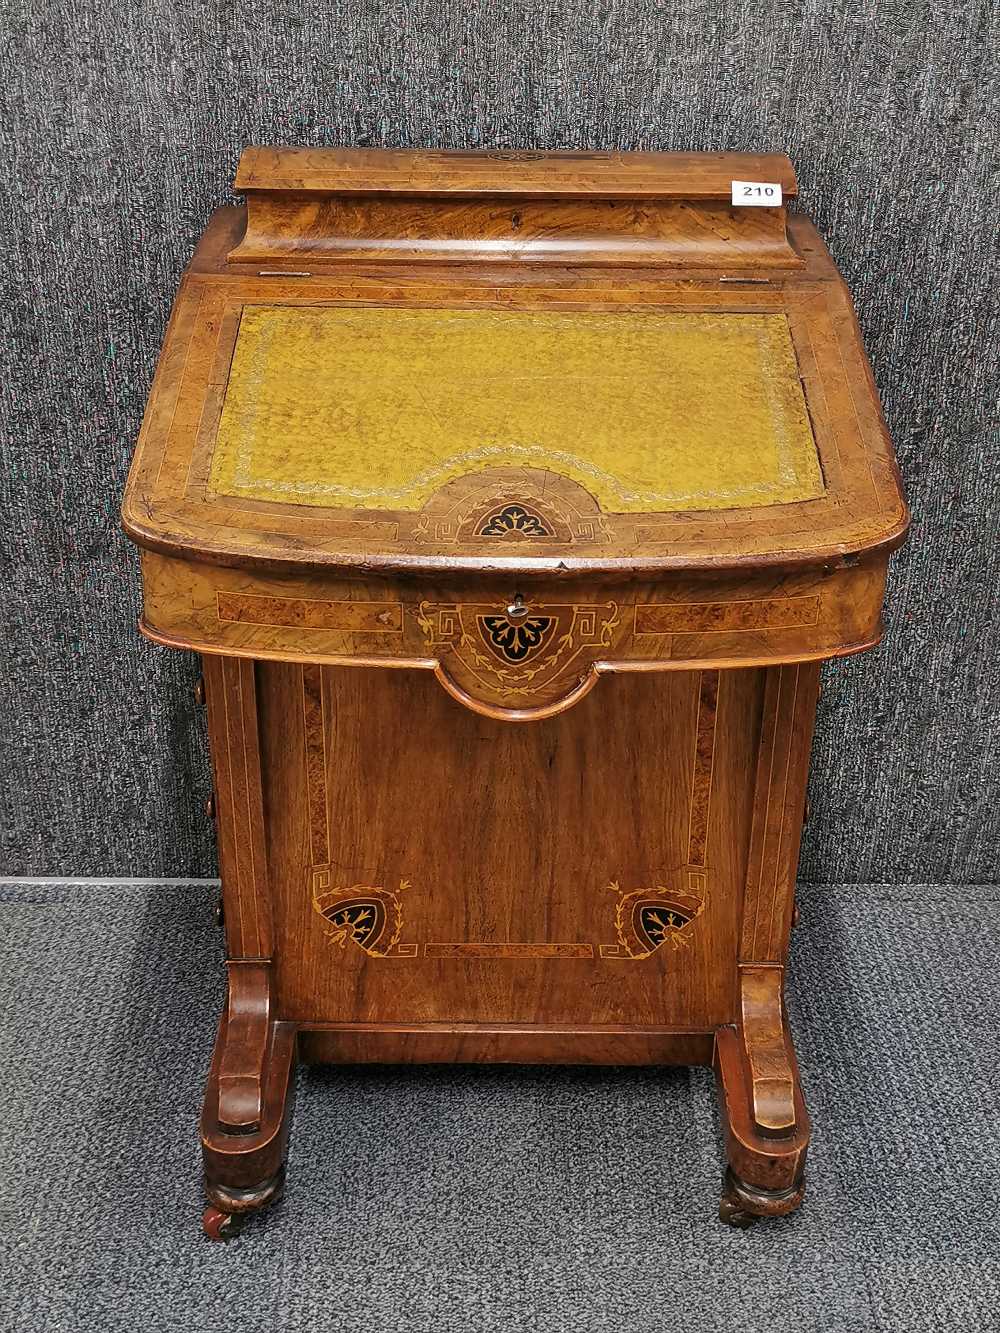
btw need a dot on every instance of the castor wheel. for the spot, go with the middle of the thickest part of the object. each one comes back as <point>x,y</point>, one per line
<point>220,912</point>
<point>218,1225</point>
<point>733,1215</point>
<point>742,1202</point>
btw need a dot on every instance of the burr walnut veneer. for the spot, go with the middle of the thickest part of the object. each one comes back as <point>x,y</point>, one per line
<point>512,500</point>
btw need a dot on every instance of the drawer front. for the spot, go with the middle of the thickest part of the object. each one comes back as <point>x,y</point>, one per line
<point>516,652</point>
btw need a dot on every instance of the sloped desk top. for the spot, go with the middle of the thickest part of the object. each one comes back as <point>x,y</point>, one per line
<point>378,408</point>
<point>535,383</point>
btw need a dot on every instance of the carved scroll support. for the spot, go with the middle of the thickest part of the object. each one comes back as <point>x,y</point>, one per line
<point>765,1124</point>
<point>247,1108</point>
<point>241,1068</point>
<point>764,1119</point>
<point>766,1043</point>
<point>244,1124</point>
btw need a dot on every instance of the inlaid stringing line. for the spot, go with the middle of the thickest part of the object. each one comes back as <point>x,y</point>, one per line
<point>210,403</point>
<point>775,820</point>
<point>234,838</point>
<point>248,719</point>
<point>702,768</point>
<point>819,394</point>
<point>181,381</point>
<point>315,760</point>
<point>323,762</point>
<point>779,867</point>
<point>844,379</point>
<point>759,838</point>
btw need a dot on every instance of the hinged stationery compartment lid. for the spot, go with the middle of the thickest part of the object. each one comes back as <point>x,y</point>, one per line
<point>328,205</point>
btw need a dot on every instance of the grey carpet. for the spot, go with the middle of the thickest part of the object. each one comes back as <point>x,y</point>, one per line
<point>120,131</point>
<point>457,1199</point>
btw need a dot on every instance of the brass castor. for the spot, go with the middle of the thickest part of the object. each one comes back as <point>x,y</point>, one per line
<point>220,912</point>
<point>218,1225</point>
<point>742,1203</point>
<point>227,1221</point>
<point>733,1215</point>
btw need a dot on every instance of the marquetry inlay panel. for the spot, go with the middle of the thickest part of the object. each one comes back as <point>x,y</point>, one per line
<point>387,910</point>
<point>530,649</point>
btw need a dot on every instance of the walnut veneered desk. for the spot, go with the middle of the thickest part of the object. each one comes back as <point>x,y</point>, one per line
<point>513,500</point>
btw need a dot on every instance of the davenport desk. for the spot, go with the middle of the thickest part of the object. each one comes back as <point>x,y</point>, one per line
<point>513,501</point>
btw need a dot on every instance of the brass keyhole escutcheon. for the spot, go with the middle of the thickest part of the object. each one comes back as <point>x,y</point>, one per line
<point>517,609</point>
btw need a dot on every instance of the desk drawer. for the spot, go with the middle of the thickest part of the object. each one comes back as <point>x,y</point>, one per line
<point>517,652</point>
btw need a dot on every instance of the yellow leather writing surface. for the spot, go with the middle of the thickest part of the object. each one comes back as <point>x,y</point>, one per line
<point>377,408</point>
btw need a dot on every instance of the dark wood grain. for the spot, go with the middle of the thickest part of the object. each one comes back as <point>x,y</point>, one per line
<point>301,229</point>
<point>484,1043</point>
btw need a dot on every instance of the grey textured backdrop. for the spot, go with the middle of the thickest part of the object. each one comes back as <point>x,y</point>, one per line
<point>121,128</point>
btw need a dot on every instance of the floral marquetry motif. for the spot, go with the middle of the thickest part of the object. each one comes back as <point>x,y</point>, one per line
<point>514,520</point>
<point>362,922</point>
<point>489,657</point>
<point>516,641</point>
<point>646,919</point>
<point>370,918</point>
<point>521,507</point>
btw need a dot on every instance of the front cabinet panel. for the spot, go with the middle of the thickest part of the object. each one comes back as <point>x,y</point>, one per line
<point>429,864</point>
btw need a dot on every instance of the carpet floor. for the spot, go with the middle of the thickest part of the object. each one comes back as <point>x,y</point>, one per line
<point>466,1199</point>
